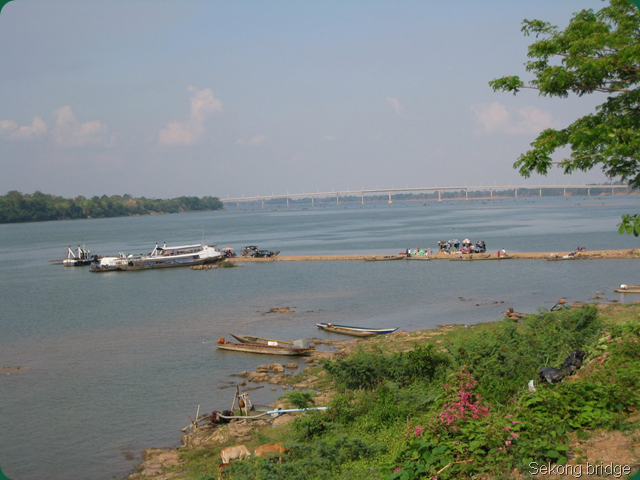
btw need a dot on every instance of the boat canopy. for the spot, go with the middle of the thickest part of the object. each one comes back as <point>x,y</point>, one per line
<point>183,247</point>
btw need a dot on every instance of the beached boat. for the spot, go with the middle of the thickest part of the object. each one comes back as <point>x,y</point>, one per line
<point>161,257</point>
<point>262,348</point>
<point>385,258</point>
<point>418,257</point>
<point>355,331</point>
<point>473,258</point>
<point>271,341</point>
<point>627,289</point>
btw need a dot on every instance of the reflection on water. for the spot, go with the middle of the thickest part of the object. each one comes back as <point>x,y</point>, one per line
<point>121,359</point>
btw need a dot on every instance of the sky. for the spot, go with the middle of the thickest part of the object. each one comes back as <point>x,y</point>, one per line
<point>165,98</point>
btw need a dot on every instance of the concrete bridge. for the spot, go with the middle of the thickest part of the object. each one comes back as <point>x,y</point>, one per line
<point>621,189</point>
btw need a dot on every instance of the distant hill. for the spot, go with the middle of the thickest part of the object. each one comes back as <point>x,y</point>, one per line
<point>17,207</point>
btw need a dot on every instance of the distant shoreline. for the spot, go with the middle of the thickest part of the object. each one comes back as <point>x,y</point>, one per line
<point>591,255</point>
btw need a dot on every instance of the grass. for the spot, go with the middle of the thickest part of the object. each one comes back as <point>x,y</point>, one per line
<point>453,403</point>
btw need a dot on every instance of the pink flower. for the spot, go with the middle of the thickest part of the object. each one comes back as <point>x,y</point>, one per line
<point>507,443</point>
<point>515,435</point>
<point>509,416</point>
<point>418,431</point>
<point>506,429</point>
<point>515,423</point>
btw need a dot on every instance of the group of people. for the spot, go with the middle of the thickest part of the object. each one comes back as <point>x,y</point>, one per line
<point>418,252</point>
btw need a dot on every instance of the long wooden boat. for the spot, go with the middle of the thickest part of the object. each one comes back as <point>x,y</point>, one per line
<point>473,258</point>
<point>264,341</point>
<point>385,258</point>
<point>262,348</point>
<point>627,290</point>
<point>418,257</point>
<point>355,331</point>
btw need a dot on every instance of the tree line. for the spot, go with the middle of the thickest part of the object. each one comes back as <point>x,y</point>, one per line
<point>17,207</point>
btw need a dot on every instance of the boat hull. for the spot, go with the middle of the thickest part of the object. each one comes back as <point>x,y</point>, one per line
<point>355,331</point>
<point>262,349</point>
<point>385,258</point>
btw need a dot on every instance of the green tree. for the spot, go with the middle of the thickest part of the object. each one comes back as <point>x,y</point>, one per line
<point>598,52</point>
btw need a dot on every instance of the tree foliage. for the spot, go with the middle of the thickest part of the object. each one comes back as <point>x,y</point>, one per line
<point>598,52</point>
<point>17,207</point>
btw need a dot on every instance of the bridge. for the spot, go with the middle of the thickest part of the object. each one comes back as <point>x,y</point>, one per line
<point>391,191</point>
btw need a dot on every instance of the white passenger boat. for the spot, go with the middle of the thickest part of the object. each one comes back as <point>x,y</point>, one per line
<point>161,257</point>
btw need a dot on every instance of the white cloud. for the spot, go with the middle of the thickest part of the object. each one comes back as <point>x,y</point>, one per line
<point>395,103</point>
<point>257,140</point>
<point>10,130</point>
<point>203,104</point>
<point>495,118</point>
<point>71,133</point>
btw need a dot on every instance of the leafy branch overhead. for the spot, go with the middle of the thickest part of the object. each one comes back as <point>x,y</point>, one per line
<point>598,52</point>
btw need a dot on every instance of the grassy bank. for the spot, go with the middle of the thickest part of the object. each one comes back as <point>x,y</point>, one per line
<point>454,403</point>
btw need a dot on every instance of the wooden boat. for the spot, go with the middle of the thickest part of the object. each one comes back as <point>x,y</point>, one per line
<point>262,348</point>
<point>264,341</point>
<point>629,289</point>
<point>385,258</point>
<point>419,257</point>
<point>473,257</point>
<point>355,331</point>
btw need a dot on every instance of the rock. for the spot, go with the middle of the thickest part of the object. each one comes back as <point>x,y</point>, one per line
<point>258,377</point>
<point>275,379</point>
<point>292,366</point>
<point>246,373</point>
<point>262,368</point>
<point>276,368</point>
<point>280,310</point>
<point>282,419</point>
<point>285,387</point>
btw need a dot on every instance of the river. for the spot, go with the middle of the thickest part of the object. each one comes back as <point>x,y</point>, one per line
<point>118,360</point>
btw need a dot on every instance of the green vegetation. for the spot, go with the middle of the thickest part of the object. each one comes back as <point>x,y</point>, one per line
<point>457,405</point>
<point>18,207</point>
<point>598,52</point>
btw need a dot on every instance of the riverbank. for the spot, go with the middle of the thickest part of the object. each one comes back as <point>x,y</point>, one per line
<point>591,430</point>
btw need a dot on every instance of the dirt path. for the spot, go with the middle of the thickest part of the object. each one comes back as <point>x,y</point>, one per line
<point>595,254</point>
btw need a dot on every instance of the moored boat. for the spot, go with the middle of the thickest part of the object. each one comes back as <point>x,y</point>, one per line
<point>262,348</point>
<point>161,257</point>
<point>355,331</point>
<point>270,341</point>
<point>418,257</point>
<point>385,258</point>
<point>81,258</point>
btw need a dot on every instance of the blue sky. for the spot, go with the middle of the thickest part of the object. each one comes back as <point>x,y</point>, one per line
<point>165,98</point>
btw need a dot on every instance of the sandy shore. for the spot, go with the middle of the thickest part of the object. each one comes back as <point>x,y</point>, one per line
<point>595,254</point>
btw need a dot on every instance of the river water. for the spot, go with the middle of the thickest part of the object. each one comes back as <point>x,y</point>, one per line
<point>118,360</point>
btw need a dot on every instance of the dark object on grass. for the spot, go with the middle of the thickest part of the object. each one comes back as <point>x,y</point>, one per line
<point>218,419</point>
<point>570,365</point>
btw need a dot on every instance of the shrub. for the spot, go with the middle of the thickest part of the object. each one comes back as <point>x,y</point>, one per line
<point>367,370</point>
